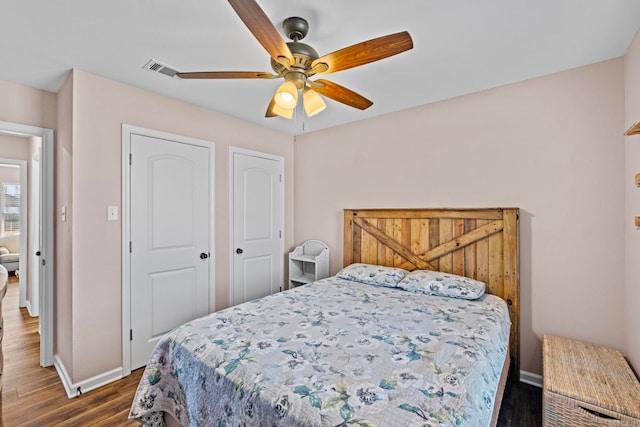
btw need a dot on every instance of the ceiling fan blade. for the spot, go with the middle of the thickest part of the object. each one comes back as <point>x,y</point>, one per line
<point>226,75</point>
<point>341,94</point>
<point>262,29</point>
<point>365,52</point>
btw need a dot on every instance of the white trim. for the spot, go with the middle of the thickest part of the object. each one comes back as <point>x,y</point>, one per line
<point>75,389</point>
<point>531,378</point>
<point>46,226</point>
<point>127,131</point>
<point>279,159</point>
<point>29,309</point>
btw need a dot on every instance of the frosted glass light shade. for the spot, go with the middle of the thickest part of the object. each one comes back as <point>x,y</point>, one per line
<point>287,96</point>
<point>283,112</point>
<point>313,103</point>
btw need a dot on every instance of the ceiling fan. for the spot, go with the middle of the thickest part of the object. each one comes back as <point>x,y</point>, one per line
<point>297,62</point>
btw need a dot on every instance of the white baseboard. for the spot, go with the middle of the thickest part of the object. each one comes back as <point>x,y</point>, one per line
<point>75,389</point>
<point>531,379</point>
<point>28,305</point>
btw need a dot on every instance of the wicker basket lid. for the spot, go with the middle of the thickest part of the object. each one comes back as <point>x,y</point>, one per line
<point>593,374</point>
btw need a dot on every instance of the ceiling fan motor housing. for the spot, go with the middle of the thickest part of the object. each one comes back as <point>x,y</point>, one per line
<point>300,70</point>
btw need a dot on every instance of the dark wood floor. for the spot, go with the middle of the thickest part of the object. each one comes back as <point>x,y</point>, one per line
<point>34,396</point>
<point>521,406</point>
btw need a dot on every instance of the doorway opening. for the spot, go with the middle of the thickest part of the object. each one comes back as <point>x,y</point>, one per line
<point>35,266</point>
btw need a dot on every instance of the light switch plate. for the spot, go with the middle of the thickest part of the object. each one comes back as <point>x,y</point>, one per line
<point>112,213</point>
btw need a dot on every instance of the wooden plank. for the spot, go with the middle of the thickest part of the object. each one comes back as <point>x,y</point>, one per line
<point>496,266</point>
<point>405,235</point>
<point>434,240</point>
<point>389,252</point>
<point>397,236</point>
<point>383,251</point>
<point>511,278</point>
<point>364,247</point>
<point>470,250</point>
<point>372,249</point>
<point>357,243</point>
<point>390,242</point>
<point>347,251</point>
<point>446,235</point>
<point>458,255</point>
<point>482,255</point>
<point>430,213</point>
<point>419,235</point>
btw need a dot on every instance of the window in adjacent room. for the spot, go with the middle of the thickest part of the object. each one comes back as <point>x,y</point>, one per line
<point>10,208</point>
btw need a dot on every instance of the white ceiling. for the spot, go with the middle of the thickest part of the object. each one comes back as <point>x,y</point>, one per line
<point>460,46</point>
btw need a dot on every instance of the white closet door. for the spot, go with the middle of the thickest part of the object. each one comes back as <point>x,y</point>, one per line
<point>169,237</point>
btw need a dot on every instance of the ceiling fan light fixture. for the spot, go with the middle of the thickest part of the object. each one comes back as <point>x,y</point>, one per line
<point>282,112</point>
<point>287,96</point>
<point>313,103</point>
<point>275,110</point>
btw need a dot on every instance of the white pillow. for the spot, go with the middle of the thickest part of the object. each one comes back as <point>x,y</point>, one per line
<point>442,284</point>
<point>376,275</point>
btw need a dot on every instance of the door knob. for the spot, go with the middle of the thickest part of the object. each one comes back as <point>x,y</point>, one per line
<point>38,253</point>
<point>204,255</point>
<point>239,251</point>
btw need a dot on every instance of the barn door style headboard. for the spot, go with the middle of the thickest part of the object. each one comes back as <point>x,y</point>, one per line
<point>478,243</point>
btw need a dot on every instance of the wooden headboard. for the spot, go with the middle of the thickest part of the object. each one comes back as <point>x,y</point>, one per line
<point>477,243</point>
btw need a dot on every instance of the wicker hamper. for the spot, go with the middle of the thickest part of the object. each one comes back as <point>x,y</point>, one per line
<point>587,386</point>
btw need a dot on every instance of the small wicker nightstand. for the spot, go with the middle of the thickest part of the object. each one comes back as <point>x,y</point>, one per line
<point>587,385</point>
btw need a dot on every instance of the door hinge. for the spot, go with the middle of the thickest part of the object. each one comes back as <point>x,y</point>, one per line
<point>130,159</point>
<point>130,247</point>
<point>280,177</point>
<point>280,288</point>
<point>281,234</point>
<point>130,334</point>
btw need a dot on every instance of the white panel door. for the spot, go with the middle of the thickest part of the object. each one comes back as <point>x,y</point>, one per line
<point>257,256</point>
<point>169,239</point>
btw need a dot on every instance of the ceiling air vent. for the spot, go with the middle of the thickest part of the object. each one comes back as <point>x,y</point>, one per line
<point>158,67</point>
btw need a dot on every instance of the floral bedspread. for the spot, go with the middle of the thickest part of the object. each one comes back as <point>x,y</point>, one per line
<point>331,353</point>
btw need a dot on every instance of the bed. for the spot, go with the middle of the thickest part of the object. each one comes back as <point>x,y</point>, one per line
<point>354,349</point>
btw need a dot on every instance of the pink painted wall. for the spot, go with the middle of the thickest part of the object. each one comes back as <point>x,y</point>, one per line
<point>27,106</point>
<point>63,288</point>
<point>14,147</point>
<point>8,174</point>
<point>632,235</point>
<point>100,107</point>
<point>551,146</point>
